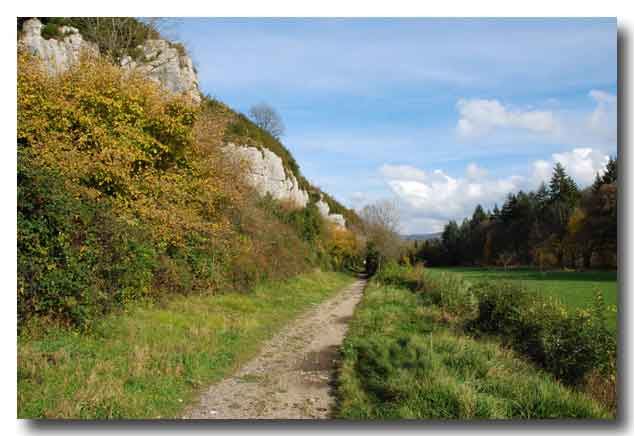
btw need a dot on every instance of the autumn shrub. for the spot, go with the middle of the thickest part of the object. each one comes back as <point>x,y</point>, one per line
<point>125,193</point>
<point>344,249</point>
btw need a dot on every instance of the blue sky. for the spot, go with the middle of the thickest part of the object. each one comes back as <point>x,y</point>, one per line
<point>437,114</point>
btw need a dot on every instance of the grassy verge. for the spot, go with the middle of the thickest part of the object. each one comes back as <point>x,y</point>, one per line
<point>574,289</point>
<point>150,362</point>
<point>406,358</point>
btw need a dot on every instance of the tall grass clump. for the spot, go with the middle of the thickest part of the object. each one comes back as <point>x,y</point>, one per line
<point>575,346</point>
<point>445,290</point>
<point>402,361</point>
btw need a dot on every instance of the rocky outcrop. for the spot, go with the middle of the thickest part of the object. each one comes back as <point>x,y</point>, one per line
<point>164,63</point>
<point>325,211</point>
<point>158,59</point>
<point>266,173</point>
<point>57,55</point>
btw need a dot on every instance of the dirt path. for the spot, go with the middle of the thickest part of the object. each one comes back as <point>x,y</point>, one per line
<point>291,378</point>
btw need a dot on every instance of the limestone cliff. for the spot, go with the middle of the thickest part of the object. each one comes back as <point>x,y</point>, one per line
<point>57,55</point>
<point>162,62</point>
<point>325,211</point>
<point>159,59</point>
<point>266,173</point>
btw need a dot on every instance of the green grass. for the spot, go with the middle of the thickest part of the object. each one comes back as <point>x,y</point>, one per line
<point>150,362</point>
<point>574,289</point>
<point>404,359</point>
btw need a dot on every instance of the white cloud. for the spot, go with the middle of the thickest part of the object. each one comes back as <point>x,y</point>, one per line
<point>598,127</point>
<point>541,171</point>
<point>402,172</point>
<point>474,172</point>
<point>430,199</point>
<point>582,164</point>
<point>479,117</point>
<point>436,197</point>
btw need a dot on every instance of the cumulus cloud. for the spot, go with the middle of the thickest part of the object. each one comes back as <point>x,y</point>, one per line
<point>436,197</point>
<point>480,116</point>
<point>582,164</point>
<point>474,172</point>
<point>429,199</point>
<point>541,171</point>
<point>598,127</point>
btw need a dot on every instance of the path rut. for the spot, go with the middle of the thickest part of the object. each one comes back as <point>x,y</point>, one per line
<point>292,376</point>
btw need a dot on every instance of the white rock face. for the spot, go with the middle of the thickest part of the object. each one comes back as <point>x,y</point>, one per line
<point>164,64</point>
<point>160,61</point>
<point>266,174</point>
<point>58,55</point>
<point>325,211</point>
<point>337,219</point>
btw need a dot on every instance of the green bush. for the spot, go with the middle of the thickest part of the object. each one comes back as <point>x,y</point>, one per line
<point>444,290</point>
<point>567,344</point>
<point>51,31</point>
<point>394,274</point>
<point>76,260</point>
<point>449,292</point>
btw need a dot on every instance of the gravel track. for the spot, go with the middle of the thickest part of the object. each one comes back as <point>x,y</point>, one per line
<point>292,376</point>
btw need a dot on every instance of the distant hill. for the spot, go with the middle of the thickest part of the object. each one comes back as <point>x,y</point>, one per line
<point>421,236</point>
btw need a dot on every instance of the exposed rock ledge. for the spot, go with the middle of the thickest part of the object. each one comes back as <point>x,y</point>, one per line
<point>325,211</point>
<point>164,64</point>
<point>160,60</point>
<point>57,55</point>
<point>267,175</point>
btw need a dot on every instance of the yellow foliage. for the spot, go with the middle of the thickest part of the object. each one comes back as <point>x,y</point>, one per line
<point>119,135</point>
<point>139,161</point>
<point>576,221</point>
<point>343,245</point>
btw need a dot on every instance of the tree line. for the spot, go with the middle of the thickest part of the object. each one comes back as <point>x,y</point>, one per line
<point>558,225</point>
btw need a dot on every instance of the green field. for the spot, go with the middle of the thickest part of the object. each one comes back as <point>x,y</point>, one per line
<point>575,289</point>
<point>150,362</point>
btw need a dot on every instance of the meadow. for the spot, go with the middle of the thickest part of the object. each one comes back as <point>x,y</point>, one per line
<point>572,288</point>
<point>149,362</point>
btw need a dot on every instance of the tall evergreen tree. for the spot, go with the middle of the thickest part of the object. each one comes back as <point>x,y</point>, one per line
<point>608,176</point>
<point>562,188</point>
